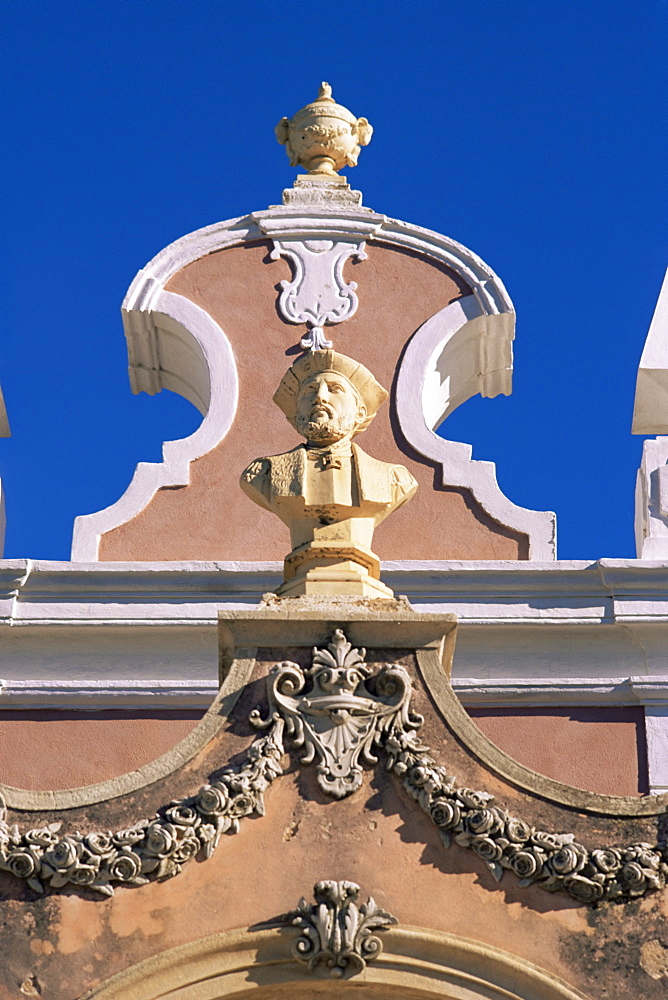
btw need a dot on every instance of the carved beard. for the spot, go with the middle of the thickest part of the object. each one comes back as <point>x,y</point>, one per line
<point>327,428</point>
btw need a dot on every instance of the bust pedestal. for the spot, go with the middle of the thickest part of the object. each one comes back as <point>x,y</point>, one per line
<point>334,560</point>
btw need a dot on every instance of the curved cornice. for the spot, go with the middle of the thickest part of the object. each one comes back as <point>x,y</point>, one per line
<point>474,349</point>
<point>174,344</point>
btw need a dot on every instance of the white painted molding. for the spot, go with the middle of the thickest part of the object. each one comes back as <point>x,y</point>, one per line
<point>650,408</point>
<point>474,349</point>
<point>650,416</point>
<point>606,592</point>
<point>132,635</point>
<point>3,520</point>
<point>656,728</point>
<point>179,694</point>
<point>4,432</point>
<point>172,344</point>
<point>125,694</point>
<point>516,692</point>
<point>651,500</point>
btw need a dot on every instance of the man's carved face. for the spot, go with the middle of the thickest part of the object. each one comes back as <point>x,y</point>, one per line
<point>328,408</point>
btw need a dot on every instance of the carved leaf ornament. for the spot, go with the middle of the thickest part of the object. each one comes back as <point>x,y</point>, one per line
<point>337,931</point>
<point>343,715</point>
<point>339,714</point>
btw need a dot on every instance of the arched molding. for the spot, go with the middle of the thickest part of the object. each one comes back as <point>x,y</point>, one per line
<point>506,767</point>
<point>415,962</point>
<point>72,798</point>
<point>474,348</point>
<point>174,344</point>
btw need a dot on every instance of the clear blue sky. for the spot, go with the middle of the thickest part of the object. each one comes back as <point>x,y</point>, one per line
<point>534,132</point>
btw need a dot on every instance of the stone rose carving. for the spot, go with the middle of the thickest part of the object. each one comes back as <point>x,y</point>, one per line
<point>345,702</point>
<point>552,861</point>
<point>152,849</point>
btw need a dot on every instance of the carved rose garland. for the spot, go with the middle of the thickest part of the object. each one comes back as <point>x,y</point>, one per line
<point>340,714</point>
<point>151,849</point>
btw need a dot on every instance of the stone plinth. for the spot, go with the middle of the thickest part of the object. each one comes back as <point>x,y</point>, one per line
<point>311,620</point>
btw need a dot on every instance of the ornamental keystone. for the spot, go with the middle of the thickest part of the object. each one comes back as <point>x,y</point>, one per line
<point>337,931</point>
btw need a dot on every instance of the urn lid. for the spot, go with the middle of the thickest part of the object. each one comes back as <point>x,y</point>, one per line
<point>324,106</point>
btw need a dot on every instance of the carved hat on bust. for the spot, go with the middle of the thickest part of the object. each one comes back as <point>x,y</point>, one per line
<point>370,392</point>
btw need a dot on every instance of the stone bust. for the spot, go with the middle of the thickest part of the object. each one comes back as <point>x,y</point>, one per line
<point>328,491</point>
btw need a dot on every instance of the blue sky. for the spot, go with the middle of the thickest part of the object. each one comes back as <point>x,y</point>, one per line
<point>533,131</point>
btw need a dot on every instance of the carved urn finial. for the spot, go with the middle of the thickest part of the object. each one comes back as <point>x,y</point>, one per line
<point>323,136</point>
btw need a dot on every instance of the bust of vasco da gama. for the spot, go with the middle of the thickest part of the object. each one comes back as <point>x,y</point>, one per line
<point>328,398</point>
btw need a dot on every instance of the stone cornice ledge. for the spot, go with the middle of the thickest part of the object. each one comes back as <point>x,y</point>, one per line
<point>612,590</point>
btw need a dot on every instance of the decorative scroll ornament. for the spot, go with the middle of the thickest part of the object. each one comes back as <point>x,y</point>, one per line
<point>336,930</point>
<point>346,712</point>
<point>318,293</point>
<point>343,714</point>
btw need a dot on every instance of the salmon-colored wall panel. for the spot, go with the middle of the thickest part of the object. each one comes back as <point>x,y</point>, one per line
<point>45,750</point>
<point>211,518</point>
<point>598,749</point>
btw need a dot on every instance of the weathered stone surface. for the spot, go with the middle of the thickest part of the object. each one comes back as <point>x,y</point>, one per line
<point>378,837</point>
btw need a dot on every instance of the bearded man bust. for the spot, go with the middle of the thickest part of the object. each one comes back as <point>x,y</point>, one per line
<point>328,491</point>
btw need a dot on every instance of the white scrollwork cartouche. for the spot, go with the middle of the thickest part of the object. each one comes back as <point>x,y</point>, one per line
<point>318,294</point>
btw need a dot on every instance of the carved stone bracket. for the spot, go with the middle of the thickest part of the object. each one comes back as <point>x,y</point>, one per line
<point>344,712</point>
<point>336,930</point>
<point>318,293</point>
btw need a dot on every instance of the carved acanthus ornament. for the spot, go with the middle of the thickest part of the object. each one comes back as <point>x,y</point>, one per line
<point>318,294</point>
<point>337,931</point>
<point>340,712</point>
